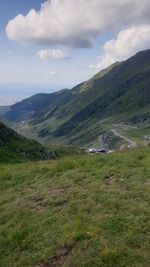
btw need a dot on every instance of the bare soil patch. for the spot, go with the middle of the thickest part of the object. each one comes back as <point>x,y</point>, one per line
<point>59,258</point>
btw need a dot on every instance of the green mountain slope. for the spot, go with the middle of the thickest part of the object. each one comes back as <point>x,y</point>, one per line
<point>14,147</point>
<point>119,94</point>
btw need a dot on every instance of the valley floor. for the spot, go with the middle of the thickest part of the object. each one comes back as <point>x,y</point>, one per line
<point>90,211</point>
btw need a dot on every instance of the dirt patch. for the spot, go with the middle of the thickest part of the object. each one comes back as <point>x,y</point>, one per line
<point>147,182</point>
<point>58,191</point>
<point>59,258</point>
<point>37,203</point>
<point>62,206</point>
<point>109,180</point>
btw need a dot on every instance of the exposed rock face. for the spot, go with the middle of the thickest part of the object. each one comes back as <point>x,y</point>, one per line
<point>49,155</point>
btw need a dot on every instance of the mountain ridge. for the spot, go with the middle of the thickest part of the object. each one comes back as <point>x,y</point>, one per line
<point>118,94</point>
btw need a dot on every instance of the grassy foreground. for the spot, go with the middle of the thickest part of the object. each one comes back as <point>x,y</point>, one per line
<point>76,211</point>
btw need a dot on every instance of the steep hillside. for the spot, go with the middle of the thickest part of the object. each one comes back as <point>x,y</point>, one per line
<point>14,147</point>
<point>4,110</point>
<point>119,94</point>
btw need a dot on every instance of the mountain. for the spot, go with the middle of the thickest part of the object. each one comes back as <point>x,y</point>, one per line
<point>4,110</point>
<point>14,147</point>
<point>36,106</point>
<point>113,103</point>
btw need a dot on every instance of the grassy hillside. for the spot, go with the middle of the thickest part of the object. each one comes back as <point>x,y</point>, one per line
<point>76,211</point>
<point>119,94</point>
<point>14,147</point>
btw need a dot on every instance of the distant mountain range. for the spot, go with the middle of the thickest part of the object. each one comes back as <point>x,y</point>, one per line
<point>11,93</point>
<point>98,112</point>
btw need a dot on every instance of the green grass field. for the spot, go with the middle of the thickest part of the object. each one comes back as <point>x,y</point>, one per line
<point>81,210</point>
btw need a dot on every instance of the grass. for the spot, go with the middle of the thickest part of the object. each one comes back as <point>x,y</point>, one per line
<point>90,211</point>
<point>61,151</point>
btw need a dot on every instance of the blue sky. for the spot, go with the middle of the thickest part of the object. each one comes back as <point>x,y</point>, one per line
<point>19,63</point>
<point>65,42</point>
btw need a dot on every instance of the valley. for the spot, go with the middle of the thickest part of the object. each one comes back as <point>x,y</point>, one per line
<point>118,95</point>
<point>75,133</point>
<point>66,198</point>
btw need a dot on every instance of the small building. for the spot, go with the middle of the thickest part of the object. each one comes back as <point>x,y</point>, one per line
<point>92,150</point>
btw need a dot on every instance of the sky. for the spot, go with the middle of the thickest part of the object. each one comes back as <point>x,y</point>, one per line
<point>54,44</point>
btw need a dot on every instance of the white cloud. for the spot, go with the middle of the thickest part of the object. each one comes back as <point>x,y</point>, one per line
<point>52,54</point>
<point>76,23</point>
<point>51,73</point>
<point>127,43</point>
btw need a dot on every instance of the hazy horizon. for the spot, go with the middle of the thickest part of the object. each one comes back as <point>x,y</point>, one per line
<point>11,93</point>
<point>47,45</point>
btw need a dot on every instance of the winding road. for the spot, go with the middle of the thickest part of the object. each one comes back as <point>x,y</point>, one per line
<point>132,144</point>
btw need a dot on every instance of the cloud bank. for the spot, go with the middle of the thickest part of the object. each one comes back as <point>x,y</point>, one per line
<point>76,23</point>
<point>127,43</point>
